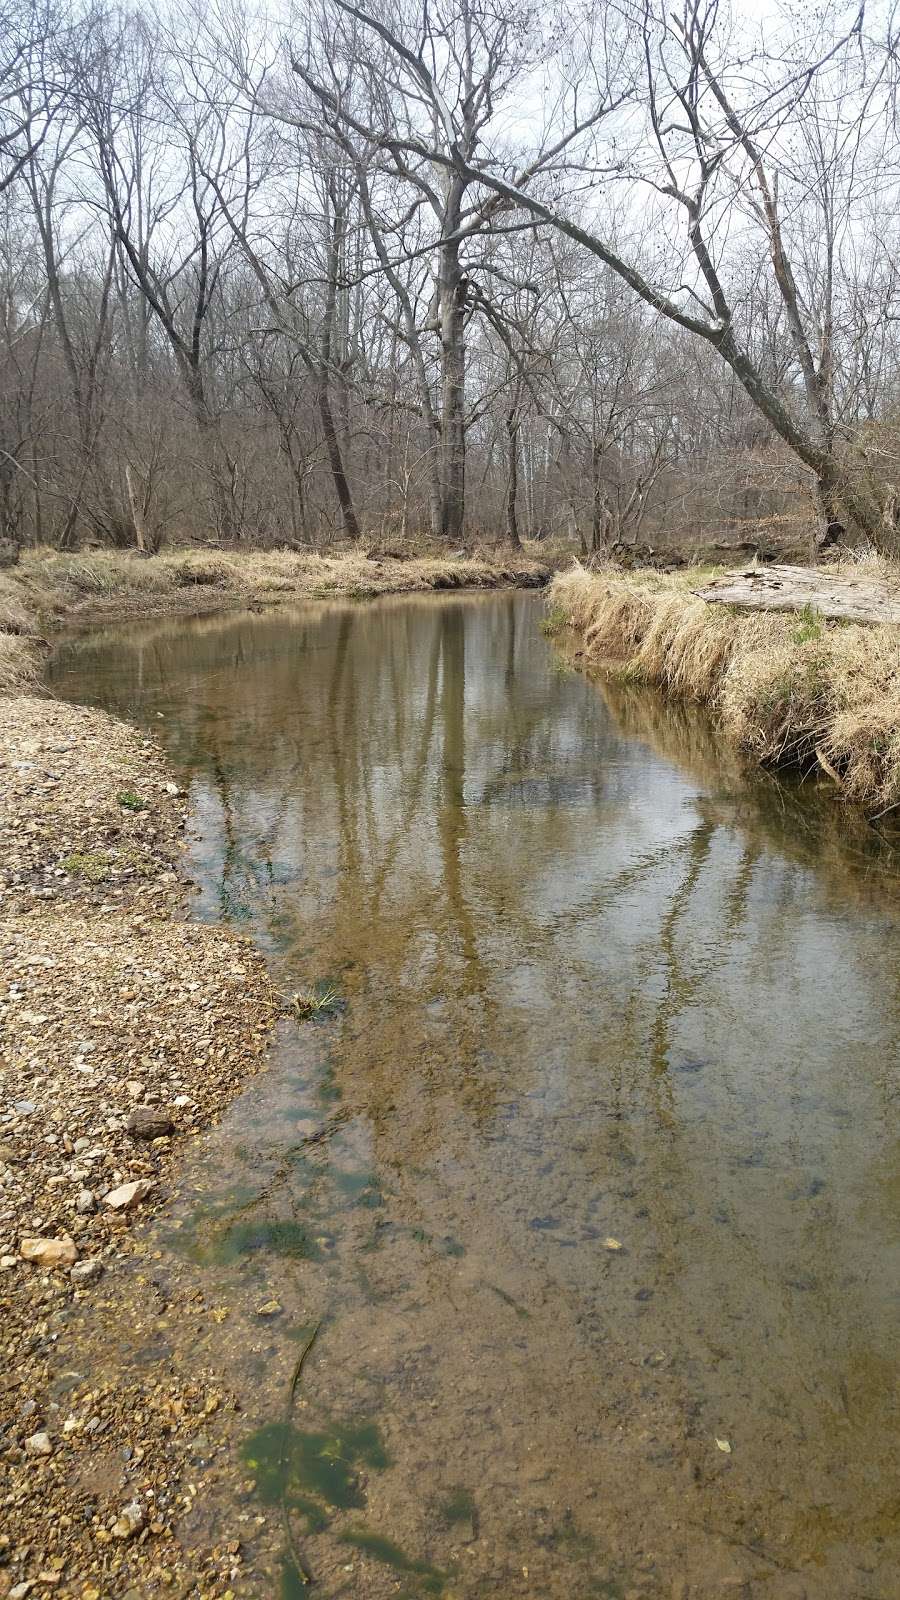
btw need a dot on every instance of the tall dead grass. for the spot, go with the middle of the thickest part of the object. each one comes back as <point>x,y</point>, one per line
<point>18,664</point>
<point>788,690</point>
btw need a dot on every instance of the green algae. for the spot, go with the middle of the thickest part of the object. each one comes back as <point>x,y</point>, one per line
<point>458,1507</point>
<point>391,1555</point>
<point>296,1467</point>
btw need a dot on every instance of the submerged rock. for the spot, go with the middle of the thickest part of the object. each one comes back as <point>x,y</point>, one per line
<point>86,1272</point>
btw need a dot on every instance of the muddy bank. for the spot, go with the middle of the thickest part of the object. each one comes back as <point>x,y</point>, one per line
<point>48,588</point>
<point>124,1029</point>
<point>789,691</point>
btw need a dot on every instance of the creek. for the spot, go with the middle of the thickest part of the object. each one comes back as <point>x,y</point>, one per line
<point>586,1168</point>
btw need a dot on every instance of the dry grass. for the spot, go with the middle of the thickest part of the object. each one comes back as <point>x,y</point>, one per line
<point>18,664</point>
<point>789,690</point>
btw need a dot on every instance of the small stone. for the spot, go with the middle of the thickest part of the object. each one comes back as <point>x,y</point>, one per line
<point>129,1522</point>
<point>135,1089</point>
<point>148,1122</point>
<point>39,1445</point>
<point>269,1308</point>
<point>613,1244</point>
<point>81,1144</point>
<point>724,1445</point>
<point>24,1108</point>
<point>20,1590</point>
<point>172,789</point>
<point>128,1194</point>
<point>85,1273</point>
<point>8,1261</point>
<point>49,1252</point>
<point>85,1202</point>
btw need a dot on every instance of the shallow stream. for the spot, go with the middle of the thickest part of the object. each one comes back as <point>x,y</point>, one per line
<point>588,1169</point>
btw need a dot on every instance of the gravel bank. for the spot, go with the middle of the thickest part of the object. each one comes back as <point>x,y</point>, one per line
<point>124,1029</point>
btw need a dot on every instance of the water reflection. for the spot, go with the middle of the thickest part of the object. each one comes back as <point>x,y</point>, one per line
<point>595,988</point>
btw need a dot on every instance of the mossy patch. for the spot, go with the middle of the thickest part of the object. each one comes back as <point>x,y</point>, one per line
<point>92,866</point>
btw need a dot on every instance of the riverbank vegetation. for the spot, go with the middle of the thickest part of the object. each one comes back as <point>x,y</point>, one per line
<point>323,280</point>
<point>789,690</point>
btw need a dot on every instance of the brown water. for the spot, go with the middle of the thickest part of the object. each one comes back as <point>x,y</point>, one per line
<point>589,987</point>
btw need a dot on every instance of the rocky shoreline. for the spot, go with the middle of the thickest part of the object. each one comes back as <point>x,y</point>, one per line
<point>124,1030</point>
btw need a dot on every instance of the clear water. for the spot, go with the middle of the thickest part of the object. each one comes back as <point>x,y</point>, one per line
<point>590,989</point>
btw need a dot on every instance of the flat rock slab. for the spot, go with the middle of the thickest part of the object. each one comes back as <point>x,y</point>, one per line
<point>796,588</point>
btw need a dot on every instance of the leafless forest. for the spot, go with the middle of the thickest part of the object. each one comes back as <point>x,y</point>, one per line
<point>460,269</point>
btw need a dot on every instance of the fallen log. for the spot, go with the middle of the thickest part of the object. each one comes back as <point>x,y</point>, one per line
<point>801,588</point>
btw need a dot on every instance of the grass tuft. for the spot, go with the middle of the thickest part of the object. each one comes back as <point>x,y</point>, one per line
<point>312,1002</point>
<point>92,866</point>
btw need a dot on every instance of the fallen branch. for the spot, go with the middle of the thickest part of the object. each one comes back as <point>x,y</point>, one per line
<point>806,588</point>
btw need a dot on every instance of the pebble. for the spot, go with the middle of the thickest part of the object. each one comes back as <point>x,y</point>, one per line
<point>49,1252</point>
<point>85,1202</point>
<point>129,1522</point>
<point>39,1445</point>
<point>148,1122</point>
<point>128,1194</point>
<point>269,1308</point>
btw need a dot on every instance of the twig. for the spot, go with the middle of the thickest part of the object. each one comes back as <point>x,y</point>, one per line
<point>303,1572</point>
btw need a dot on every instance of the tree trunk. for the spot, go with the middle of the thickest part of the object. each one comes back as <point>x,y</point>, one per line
<point>452,302</point>
<point>805,588</point>
<point>323,386</point>
<point>599,509</point>
<point>512,481</point>
<point>830,530</point>
<point>137,512</point>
